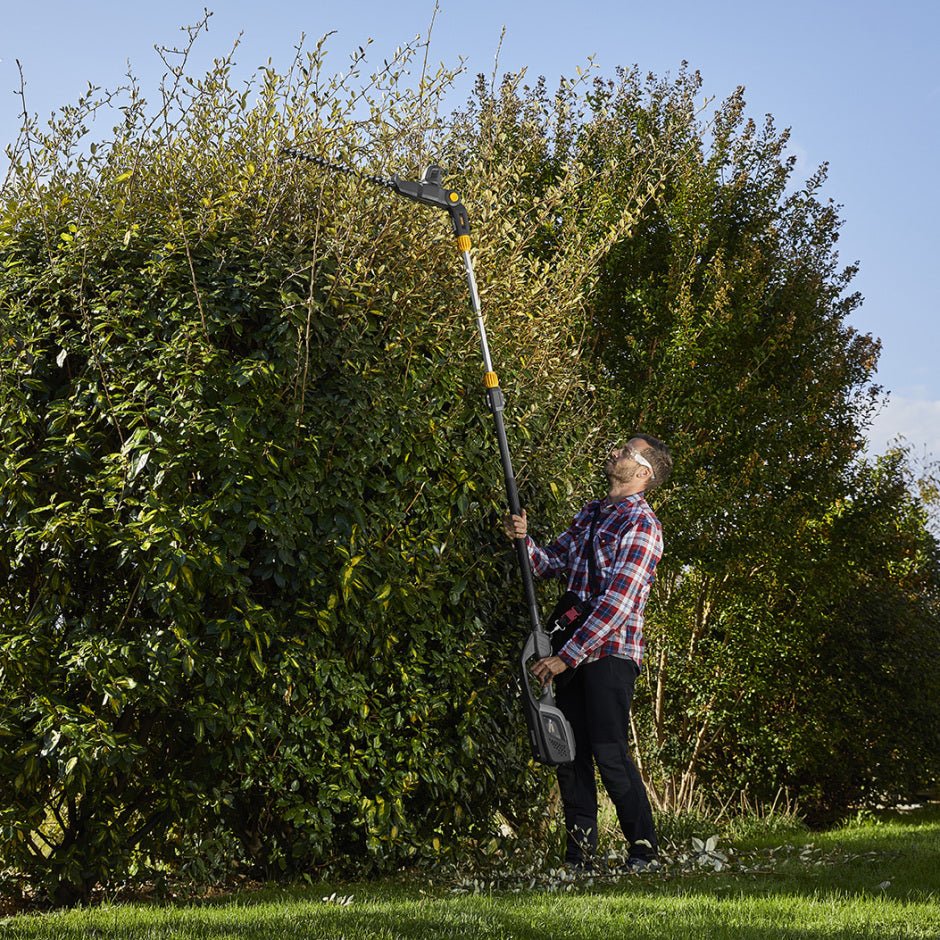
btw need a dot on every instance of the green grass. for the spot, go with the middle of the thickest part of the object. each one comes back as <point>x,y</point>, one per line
<point>872,879</point>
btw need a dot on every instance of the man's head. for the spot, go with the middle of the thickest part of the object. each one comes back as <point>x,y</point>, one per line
<point>641,464</point>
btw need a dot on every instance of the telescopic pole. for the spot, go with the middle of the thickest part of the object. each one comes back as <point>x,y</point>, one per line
<point>550,733</point>
<point>494,395</point>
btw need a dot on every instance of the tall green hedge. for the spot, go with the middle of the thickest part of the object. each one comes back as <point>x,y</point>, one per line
<point>256,606</point>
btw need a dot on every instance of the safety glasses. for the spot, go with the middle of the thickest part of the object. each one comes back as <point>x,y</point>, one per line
<point>634,454</point>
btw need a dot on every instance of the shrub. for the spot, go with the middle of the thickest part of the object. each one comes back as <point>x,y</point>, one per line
<point>252,579</point>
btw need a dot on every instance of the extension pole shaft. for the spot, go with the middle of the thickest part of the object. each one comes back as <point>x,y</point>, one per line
<point>494,396</point>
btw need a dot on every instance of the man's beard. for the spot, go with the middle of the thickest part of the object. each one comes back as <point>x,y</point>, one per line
<point>618,476</point>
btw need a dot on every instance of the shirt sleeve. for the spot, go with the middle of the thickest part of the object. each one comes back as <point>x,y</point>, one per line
<point>639,551</point>
<point>554,559</point>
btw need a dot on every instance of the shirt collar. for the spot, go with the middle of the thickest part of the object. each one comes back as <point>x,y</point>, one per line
<point>622,505</point>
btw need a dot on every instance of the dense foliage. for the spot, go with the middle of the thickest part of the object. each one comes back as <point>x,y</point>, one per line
<point>255,611</point>
<point>799,581</point>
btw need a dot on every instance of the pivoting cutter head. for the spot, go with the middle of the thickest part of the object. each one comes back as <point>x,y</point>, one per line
<point>429,190</point>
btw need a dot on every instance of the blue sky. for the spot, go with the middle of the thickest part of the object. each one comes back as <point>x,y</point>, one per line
<point>858,83</point>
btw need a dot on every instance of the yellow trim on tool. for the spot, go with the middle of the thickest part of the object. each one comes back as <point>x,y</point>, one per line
<point>490,380</point>
<point>463,242</point>
<point>454,197</point>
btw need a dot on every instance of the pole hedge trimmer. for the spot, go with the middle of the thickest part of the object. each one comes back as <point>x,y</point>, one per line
<point>549,732</point>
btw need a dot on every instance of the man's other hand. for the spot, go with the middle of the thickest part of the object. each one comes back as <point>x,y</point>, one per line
<point>546,669</point>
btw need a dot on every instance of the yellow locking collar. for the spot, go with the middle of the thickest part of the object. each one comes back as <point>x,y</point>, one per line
<point>463,242</point>
<point>490,380</point>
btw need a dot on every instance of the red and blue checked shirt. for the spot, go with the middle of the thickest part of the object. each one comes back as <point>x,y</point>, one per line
<point>628,543</point>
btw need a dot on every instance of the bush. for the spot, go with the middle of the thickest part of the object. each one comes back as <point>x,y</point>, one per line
<point>252,580</point>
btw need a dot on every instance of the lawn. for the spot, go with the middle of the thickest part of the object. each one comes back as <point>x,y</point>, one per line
<point>877,878</point>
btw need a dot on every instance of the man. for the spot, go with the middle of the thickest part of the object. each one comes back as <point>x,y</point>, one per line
<point>607,649</point>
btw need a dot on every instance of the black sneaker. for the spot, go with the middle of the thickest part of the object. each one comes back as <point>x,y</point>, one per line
<point>636,864</point>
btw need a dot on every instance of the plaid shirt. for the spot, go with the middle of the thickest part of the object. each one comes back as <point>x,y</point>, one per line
<point>628,543</point>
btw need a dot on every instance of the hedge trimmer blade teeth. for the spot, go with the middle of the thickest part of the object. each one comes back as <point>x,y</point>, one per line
<point>296,154</point>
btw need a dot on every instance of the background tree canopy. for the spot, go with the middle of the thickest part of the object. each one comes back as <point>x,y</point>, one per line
<point>255,610</point>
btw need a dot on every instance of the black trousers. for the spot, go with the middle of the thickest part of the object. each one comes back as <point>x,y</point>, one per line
<point>597,702</point>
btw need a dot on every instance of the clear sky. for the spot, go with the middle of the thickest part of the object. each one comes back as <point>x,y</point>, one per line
<point>856,80</point>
